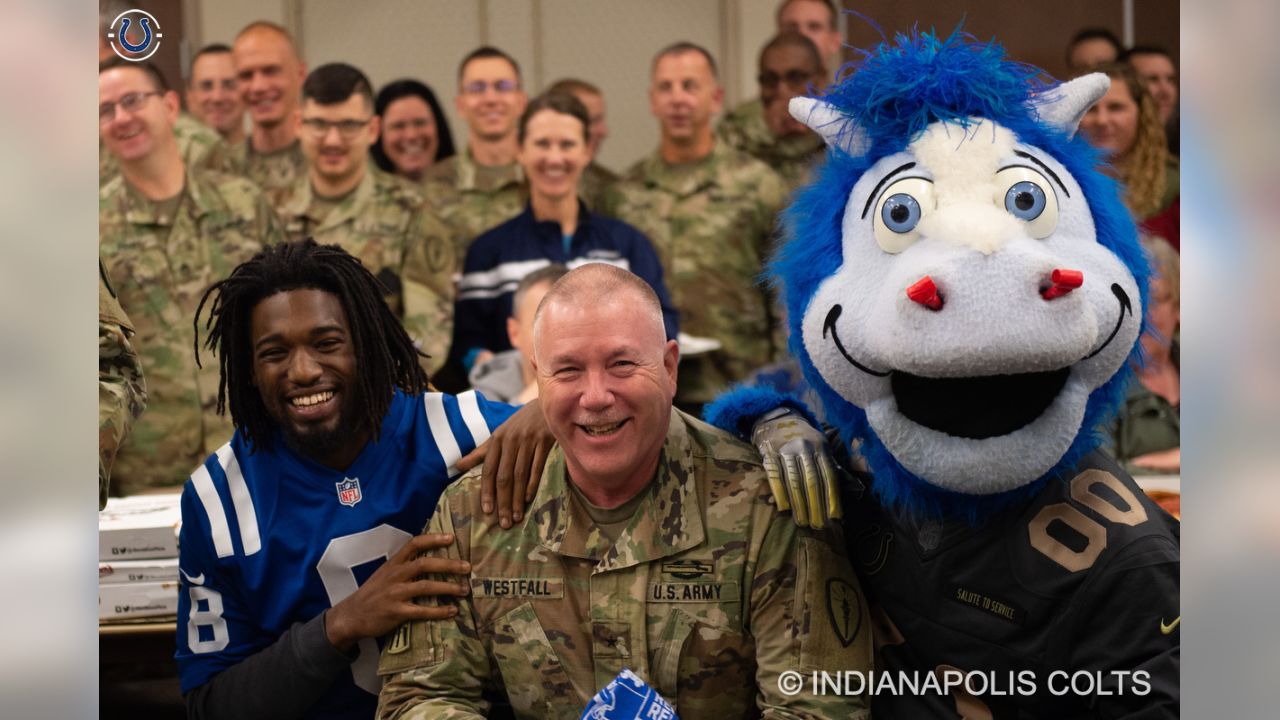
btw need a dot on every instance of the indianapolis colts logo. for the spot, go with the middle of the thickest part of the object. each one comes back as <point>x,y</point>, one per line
<point>134,35</point>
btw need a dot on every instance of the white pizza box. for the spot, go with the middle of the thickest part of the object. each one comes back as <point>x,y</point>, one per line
<point>114,572</point>
<point>139,527</point>
<point>122,601</point>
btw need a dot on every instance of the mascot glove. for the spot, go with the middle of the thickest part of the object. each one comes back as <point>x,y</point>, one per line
<point>801,473</point>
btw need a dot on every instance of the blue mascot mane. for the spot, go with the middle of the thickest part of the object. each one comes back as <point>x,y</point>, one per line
<point>897,90</point>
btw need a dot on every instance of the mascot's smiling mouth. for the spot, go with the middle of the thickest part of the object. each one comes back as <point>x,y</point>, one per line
<point>975,407</point>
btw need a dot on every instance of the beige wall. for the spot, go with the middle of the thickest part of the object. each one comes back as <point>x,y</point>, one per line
<point>607,42</point>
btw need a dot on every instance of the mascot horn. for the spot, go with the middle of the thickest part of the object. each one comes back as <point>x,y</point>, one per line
<point>964,290</point>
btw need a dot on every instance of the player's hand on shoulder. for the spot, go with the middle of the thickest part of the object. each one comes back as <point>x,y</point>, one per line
<point>387,599</point>
<point>513,458</point>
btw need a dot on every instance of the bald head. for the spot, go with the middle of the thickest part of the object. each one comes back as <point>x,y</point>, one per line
<point>606,379</point>
<point>596,284</point>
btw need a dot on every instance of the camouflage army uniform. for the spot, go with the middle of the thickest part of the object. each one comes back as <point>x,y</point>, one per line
<point>711,223</point>
<point>383,222</point>
<point>277,173</point>
<point>596,178</point>
<point>470,199</point>
<point>160,267</point>
<point>200,146</point>
<point>708,594</point>
<point>792,157</point>
<point>122,390</point>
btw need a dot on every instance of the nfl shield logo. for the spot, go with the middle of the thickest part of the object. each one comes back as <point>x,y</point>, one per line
<point>348,491</point>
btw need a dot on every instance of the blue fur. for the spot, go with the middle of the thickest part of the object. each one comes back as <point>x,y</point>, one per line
<point>737,409</point>
<point>897,91</point>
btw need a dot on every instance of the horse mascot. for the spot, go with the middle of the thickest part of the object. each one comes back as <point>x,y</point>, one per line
<point>964,291</point>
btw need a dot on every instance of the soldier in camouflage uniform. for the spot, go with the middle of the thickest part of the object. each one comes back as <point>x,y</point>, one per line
<point>376,217</point>
<point>166,233</point>
<point>122,390</point>
<point>709,211</point>
<point>213,94</point>
<point>596,178</point>
<point>483,186</point>
<point>200,146</point>
<point>651,545</point>
<point>789,66</point>
<point>270,76</point>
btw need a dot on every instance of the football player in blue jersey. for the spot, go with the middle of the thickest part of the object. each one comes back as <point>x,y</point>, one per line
<point>298,547</point>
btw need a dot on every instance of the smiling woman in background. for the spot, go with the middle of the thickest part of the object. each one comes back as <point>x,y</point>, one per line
<point>415,134</point>
<point>1126,126</point>
<point>555,227</point>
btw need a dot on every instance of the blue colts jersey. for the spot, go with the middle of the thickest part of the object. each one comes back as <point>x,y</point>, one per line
<point>270,538</point>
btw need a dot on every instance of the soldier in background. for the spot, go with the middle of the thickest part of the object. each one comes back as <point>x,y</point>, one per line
<point>122,390</point>
<point>651,545</point>
<point>270,76</point>
<point>789,66</point>
<point>167,232</point>
<point>213,95</point>
<point>198,144</point>
<point>379,218</point>
<point>480,188</point>
<point>709,211</point>
<point>596,177</point>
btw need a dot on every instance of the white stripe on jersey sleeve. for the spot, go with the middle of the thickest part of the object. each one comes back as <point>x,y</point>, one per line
<point>472,416</point>
<point>241,499</point>
<point>208,494</point>
<point>438,421</point>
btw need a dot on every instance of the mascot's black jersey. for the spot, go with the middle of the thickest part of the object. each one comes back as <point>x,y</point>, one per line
<point>1065,607</point>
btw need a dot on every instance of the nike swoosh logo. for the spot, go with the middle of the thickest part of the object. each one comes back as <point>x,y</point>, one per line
<point>199,579</point>
<point>1166,629</point>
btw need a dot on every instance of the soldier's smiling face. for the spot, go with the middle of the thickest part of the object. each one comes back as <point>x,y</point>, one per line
<point>490,98</point>
<point>270,76</point>
<point>606,381</point>
<point>134,134</point>
<point>338,155</point>
<point>304,366</point>
<point>683,95</point>
<point>553,154</point>
<point>409,135</point>
<point>214,95</point>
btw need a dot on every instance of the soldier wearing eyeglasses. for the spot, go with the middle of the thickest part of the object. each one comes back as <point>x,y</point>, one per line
<point>379,218</point>
<point>790,65</point>
<point>167,231</point>
<point>480,188</point>
<point>270,76</point>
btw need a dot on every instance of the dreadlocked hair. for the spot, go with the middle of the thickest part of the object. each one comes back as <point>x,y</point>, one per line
<point>385,356</point>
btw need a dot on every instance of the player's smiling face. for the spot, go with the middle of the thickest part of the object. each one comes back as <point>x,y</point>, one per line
<point>304,367</point>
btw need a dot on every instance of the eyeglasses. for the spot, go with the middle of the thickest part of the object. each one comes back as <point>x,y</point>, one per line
<point>131,102</point>
<point>793,78</point>
<point>479,87</point>
<point>346,128</point>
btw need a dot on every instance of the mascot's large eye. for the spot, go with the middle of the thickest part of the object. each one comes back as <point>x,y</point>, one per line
<point>898,212</point>
<point>1030,198</point>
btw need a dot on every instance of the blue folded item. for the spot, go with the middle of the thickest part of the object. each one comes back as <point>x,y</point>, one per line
<point>627,697</point>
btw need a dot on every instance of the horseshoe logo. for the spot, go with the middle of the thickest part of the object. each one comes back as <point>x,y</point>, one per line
<point>118,35</point>
<point>124,35</point>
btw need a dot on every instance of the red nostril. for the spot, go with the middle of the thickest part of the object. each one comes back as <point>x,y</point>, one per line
<point>1064,281</point>
<point>925,293</point>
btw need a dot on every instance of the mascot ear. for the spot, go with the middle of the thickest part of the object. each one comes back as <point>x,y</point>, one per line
<point>1064,106</point>
<point>837,129</point>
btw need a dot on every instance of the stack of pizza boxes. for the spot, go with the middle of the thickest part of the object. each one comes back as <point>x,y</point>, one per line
<point>138,557</point>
